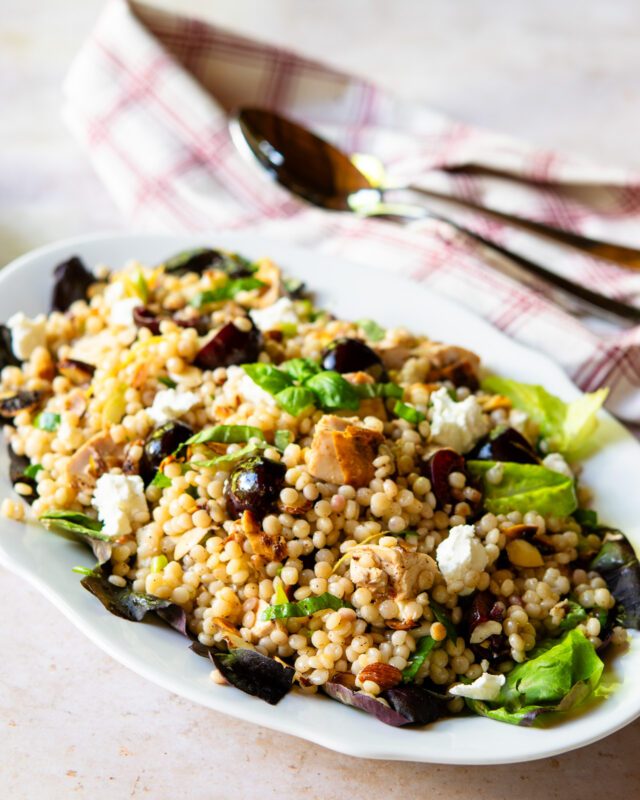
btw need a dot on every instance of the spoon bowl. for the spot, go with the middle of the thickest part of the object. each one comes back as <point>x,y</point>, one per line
<point>302,162</point>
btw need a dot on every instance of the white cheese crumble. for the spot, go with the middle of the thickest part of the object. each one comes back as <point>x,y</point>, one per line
<point>121,312</point>
<point>27,334</point>
<point>282,311</point>
<point>120,501</point>
<point>556,463</point>
<point>170,404</point>
<point>486,687</point>
<point>461,552</point>
<point>458,425</point>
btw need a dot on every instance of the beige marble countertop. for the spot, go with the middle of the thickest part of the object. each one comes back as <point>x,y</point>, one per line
<point>72,721</point>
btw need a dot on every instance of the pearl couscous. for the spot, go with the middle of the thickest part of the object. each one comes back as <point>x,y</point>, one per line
<point>351,503</point>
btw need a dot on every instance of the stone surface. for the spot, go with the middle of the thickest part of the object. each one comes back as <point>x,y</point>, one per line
<point>72,721</point>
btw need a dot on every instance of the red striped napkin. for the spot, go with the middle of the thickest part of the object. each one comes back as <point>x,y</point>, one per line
<point>149,95</point>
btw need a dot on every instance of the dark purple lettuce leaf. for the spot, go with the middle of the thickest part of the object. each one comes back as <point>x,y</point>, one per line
<point>134,606</point>
<point>202,258</point>
<point>71,280</point>
<point>618,565</point>
<point>407,704</point>
<point>417,705</point>
<point>17,467</point>
<point>255,674</point>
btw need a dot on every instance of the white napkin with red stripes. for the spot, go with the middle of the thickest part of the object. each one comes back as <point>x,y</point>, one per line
<point>149,94</point>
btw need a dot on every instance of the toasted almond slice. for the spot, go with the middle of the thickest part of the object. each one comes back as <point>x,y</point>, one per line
<point>385,675</point>
<point>524,554</point>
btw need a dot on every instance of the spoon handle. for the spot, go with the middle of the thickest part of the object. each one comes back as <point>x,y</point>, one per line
<point>609,251</point>
<point>605,306</point>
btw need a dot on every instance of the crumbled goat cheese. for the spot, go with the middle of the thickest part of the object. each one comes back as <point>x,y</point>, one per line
<point>460,553</point>
<point>458,425</point>
<point>486,687</point>
<point>282,311</point>
<point>170,404</point>
<point>556,463</point>
<point>121,312</point>
<point>120,501</point>
<point>27,334</point>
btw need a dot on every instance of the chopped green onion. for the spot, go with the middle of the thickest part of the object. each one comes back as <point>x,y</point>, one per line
<point>160,480</point>
<point>32,470</point>
<point>167,381</point>
<point>409,413</point>
<point>303,608</point>
<point>47,421</point>
<point>371,329</point>
<point>288,328</point>
<point>424,647</point>
<point>141,286</point>
<point>281,439</point>
<point>84,571</point>
<point>365,390</point>
<point>158,563</point>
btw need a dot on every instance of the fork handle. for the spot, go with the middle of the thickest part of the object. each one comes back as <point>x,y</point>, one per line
<point>609,251</point>
<point>606,306</point>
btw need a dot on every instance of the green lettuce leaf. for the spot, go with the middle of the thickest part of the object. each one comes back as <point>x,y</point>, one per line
<point>567,427</point>
<point>558,677</point>
<point>526,487</point>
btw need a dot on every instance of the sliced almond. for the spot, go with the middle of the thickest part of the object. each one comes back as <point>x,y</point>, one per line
<point>188,540</point>
<point>519,531</point>
<point>523,554</point>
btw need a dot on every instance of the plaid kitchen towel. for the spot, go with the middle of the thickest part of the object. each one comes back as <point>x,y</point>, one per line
<point>149,95</point>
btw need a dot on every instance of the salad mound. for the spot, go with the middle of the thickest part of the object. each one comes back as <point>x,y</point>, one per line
<point>316,504</point>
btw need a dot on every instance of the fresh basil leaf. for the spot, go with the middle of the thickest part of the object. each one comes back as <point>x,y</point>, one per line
<point>300,369</point>
<point>372,330</point>
<point>366,390</point>
<point>574,615</point>
<point>32,470</point>
<point>525,487</point>
<point>424,647</point>
<point>75,522</point>
<point>47,421</point>
<point>167,381</point>
<point>295,399</point>
<point>228,458</point>
<point>226,434</point>
<point>618,565</point>
<point>443,618</point>
<point>268,377</point>
<point>160,480</point>
<point>332,391</point>
<point>282,439</point>
<point>227,291</point>
<point>255,674</point>
<point>567,427</point>
<point>304,608</point>
<point>409,413</point>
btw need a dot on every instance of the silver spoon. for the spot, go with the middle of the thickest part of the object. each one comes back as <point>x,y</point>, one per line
<point>323,175</point>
